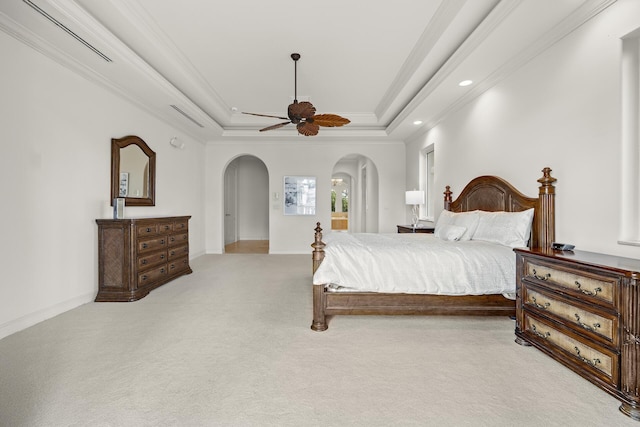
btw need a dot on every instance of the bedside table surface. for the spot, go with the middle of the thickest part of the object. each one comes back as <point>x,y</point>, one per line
<point>418,229</point>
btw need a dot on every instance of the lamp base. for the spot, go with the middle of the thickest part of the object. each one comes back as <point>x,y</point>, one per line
<point>414,218</point>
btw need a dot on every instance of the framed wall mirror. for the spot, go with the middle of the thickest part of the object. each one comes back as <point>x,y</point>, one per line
<point>133,171</point>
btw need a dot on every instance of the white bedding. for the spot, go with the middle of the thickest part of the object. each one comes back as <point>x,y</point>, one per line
<point>416,263</point>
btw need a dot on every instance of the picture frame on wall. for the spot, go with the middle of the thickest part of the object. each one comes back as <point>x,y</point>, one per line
<point>299,195</point>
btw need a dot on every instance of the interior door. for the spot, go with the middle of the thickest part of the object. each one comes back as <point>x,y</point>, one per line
<point>230,204</point>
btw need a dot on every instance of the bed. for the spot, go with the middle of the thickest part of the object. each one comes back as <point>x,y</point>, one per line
<point>485,193</point>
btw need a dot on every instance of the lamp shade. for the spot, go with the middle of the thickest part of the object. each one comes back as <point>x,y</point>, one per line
<point>415,197</point>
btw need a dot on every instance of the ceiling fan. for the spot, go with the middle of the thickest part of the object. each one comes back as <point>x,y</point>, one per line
<point>303,114</point>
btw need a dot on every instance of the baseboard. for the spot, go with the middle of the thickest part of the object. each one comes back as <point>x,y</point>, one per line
<point>36,317</point>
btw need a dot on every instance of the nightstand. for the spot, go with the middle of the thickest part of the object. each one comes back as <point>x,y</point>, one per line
<point>418,229</point>
<point>581,309</point>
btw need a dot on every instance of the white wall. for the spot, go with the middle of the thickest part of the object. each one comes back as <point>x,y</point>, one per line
<point>55,171</point>
<point>306,157</point>
<point>561,110</point>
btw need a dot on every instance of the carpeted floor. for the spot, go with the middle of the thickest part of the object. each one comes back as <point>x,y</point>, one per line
<point>230,345</point>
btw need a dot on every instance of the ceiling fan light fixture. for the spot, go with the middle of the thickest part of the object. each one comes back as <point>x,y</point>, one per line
<point>303,114</point>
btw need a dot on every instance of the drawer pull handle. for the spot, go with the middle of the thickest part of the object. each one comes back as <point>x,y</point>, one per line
<point>585,326</point>
<point>144,262</point>
<point>162,256</point>
<point>593,362</point>
<point>545,277</point>
<point>148,230</point>
<point>162,242</point>
<point>586,292</point>
<point>144,277</point>
<point>144,246</point>
<point>166,227</point>
<point>173,239</point>
<point>541,306</point>
<point>540,334</point>
<point>173,253</point>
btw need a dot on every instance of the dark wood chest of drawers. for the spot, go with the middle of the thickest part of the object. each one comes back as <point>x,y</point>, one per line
<point>137,255</point>
<point>583,310</point>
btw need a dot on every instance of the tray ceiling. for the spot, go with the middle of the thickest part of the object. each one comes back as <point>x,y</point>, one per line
<point>199,63</point>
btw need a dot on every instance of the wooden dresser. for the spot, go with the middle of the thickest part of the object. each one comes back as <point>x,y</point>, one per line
<point>583,310</point>
<point>137,255</point>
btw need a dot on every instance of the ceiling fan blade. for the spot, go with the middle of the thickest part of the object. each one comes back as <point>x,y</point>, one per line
<point>330,120</point>
<point>279,125</point>
<point>266,115</point>
<point>308,128</point>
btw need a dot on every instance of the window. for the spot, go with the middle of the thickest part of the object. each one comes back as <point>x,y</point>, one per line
<point>427,211</point>
<point>630,162</point>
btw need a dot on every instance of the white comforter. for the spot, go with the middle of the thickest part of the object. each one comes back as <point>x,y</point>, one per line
<point>416,263</point>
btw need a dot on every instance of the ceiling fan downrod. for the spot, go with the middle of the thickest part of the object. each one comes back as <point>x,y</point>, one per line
<point>295,57</point>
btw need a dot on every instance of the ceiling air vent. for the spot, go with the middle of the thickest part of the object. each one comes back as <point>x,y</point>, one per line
<point>67,30</point>
<point>175,107</point>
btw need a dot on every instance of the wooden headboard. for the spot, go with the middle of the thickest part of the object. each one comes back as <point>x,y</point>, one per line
<point>490,193</point>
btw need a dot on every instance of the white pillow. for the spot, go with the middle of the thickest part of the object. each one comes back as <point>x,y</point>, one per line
<point>511,229</point>
<point>468,220</point>
<point>450,232</point>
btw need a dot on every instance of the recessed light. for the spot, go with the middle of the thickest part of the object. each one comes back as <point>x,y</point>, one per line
<point>465,83</point>
<point>417,122</point>
<point>234,109</point>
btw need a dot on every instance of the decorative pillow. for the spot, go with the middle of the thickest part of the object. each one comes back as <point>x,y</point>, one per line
<point>506,228</point>
<point>450,232</point>
<point>468,220</point>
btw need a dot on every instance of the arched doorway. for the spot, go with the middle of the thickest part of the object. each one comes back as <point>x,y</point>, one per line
<point>246,206</point>
<point>340,201</point>
<point>362,176</point>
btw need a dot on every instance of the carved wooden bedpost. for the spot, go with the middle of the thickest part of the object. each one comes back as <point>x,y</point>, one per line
<point>319,319</point>
<point>546,221</point>
<point>447,198</point>
<point>318,248</point>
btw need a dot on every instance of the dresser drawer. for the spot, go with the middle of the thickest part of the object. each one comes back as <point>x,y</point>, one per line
<point>599,288</point>
<point>588,358</point>
<point>147,230</point>
<point>178,239</point>
<point>165,227</point>
<point>603,325</point>
<point>151,259</point>
<point>178,251</point>
<point>152,244</point>
<point>181,225</point>
<point>153,275</point>
<point>178,265</point>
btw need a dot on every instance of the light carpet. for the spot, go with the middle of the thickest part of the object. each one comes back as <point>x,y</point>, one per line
<point>230,345</point>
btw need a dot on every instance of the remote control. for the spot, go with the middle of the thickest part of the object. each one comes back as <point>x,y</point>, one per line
<point>562,246</point>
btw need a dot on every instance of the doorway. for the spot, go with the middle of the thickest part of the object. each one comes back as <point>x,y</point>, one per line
<point>246,206</point>
<point>340,193</point>
<point>361,175</point>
